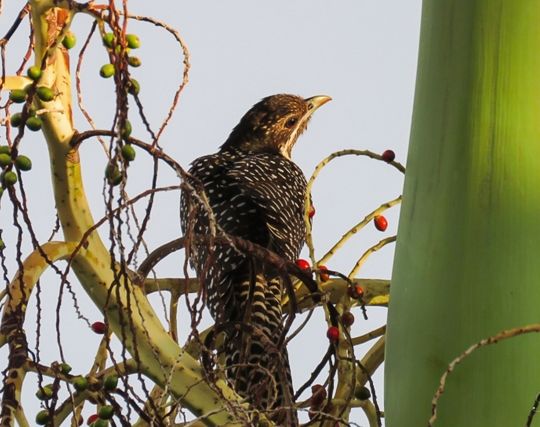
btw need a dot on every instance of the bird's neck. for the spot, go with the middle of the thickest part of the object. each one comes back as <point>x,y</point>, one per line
<point>249,144</point>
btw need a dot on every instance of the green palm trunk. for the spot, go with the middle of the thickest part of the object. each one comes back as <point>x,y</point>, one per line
<point>468,254</point>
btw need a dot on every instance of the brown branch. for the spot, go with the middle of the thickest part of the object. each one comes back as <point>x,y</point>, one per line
<point>23,12</point>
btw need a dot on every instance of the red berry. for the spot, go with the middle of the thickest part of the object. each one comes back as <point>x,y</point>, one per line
<point>99,327</point>
<point>311,212</point>
<point>333,333</point>
<point>388,156</point>
<point>303,264</point>
<point>356,291</point>
<point>347,318</point>
<point>380,222</point>
<point>92,418</point>
<point>322,273</point>
<point>318,395</point>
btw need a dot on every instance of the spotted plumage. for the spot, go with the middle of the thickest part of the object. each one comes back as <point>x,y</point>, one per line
<point>256,193</point>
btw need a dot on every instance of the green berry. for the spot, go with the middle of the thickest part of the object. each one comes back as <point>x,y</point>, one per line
<point>65,368</point>
<point>45,392</point>
<point>42,417</point>
<point>106,412</point>
<point>45,94</point>
<point>16,120</point>
<point>18,95</point>
<point>128,152</point>
<point>9,178</point>
<point>134,87</point>
<point>100,423</point>
<point>108,40</point>
<point>5,159</point>
<point>106,71</point>
<point>80,383</point>
<point>23,163</point>
<point>134,61</point>
<point>69,40</point>
<point>113,174</point>
<point>362,393</point>
<point>110,382</point>
<point>133,41</point>
<point>34,72</point>
<point>126,131</point>
<point>2,244</point>
<point>33,123</point>
<point>4,149</point>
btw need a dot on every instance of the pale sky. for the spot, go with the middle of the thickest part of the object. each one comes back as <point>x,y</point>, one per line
<point>362,53</point>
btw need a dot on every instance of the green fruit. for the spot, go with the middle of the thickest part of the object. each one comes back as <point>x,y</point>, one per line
<point>106,71</point>
<point>108,39</point>
<point>80,383</point>
<point>69,40</point>
<point>126,131</point>
<point>16,120</point>
<point>45,392</point>
<point>45,94</point>
<point>34,72</point>
<point>100,423</point>
<point>33,123</point>
<point>18,95</point>
<point>42,417</point>
<point>106,412</point>
<point>4,149</point>
<point>134,87</point>
<point>110,382</point>
<point>23,163</point>
<point>133,41</point>
<point>65,368</point>
<point>134,61</point>
<point>128,152</point>
<point>5,159</point>
<point>2,244</point>
<point>9,178</point>
<point>113,175</point>
<point>362,393</point>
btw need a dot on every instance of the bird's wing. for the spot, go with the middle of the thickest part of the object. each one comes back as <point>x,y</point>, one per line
<point>276,187</point>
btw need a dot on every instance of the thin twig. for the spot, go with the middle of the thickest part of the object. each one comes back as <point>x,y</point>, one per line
<point>382,243</point>
<point>318,169</point>
<point>369,336</point>
<point>503,335</point>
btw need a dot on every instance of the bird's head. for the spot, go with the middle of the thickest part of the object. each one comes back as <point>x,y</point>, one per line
<point>274,124</point>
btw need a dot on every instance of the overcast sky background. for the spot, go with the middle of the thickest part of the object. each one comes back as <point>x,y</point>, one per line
<point>362,53</point>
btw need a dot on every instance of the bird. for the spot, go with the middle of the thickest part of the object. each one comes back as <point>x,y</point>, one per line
<point>252,190</point>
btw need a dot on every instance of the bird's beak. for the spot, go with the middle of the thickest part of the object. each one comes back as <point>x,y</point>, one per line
<point>316,101</point>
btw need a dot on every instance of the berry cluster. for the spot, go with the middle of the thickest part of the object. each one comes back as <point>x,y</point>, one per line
<point>8,177</point>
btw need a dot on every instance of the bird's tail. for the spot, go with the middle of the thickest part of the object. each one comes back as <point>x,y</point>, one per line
<point>257,361</point>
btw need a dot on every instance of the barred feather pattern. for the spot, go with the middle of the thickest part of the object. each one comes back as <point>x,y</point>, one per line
<point>258,197</point>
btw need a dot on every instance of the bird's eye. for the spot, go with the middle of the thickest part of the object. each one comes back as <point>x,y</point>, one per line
<point>291,122</point>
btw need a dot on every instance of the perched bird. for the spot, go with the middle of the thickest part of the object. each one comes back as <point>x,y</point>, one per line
<point>255,192</point>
